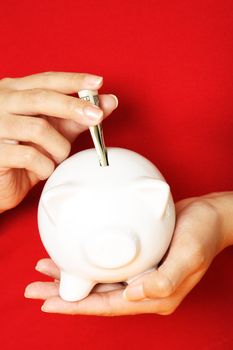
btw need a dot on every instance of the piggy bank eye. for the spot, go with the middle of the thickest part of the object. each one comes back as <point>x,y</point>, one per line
<point>154,192</point>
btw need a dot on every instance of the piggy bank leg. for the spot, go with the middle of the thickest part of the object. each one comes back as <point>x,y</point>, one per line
<point>73,288</point>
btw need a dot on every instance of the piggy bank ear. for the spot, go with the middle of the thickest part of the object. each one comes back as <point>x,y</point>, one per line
<point>54,199</point>
<point>154,192</point>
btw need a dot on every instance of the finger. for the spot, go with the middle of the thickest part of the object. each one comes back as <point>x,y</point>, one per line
<point>108,104</point>
<point>71,129</point>
<point>100,304</point>
<point>184,258</point>
<point>163,282</point>
<point>38,131</point>
<point>42,290</point>
<point>45,290</point>
<point>51,103</point>
<point>25,157</point>
<point>65,82</point>
<point>48,267</point>
<point>182,204</point>
<point>108,303</point>
<point>166,306</point>
<point>107,287</point>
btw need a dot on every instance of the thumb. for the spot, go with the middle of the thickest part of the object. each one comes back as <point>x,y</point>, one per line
<point>156,284</point>
<point>187,255</point>
<point>179,264</point>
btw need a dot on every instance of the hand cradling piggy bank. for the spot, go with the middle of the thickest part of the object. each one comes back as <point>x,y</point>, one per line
<point>105,224</point>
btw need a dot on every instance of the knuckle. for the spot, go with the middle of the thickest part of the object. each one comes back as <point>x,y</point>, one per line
<point>196,257</point>
<point>203,207</point>
<point>45,77</point>
<point>46,169</point>
<point>49,169</point>
<point>66,150</point>
<point>71,104</point>
<point>38,96</point>
<point>211,210</point>
<point>158,285</point>
<point>38,126</point>
<point>76,76</point>
<point>165,288</point>
<point>30,155</point>
<point>8,98</point>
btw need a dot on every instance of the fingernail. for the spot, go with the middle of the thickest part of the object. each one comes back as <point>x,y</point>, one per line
<point>134,292</point>
<point>39,267</point>
<point>27,293</point>
<point>46,308</point>
<point>93,112</point>
<point>93,80</point>
<point>116,100</point>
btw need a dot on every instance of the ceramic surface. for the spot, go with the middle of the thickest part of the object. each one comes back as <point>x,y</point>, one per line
<point>105,224</point>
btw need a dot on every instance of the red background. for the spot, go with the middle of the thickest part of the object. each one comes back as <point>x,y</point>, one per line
<point>170,63</point>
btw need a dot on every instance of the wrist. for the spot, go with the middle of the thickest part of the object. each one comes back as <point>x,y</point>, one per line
<point>222,202</point>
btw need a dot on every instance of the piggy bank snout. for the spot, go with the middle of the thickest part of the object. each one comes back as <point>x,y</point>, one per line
<point>111,250</point>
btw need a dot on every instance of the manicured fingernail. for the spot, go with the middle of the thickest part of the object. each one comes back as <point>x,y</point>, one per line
<point>93,112</point>
<point>134,292</point>
<point>93,80</point>
<point>116,100</point>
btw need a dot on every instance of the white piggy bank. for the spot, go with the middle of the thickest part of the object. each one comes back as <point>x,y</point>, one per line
<point>105,224</point>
